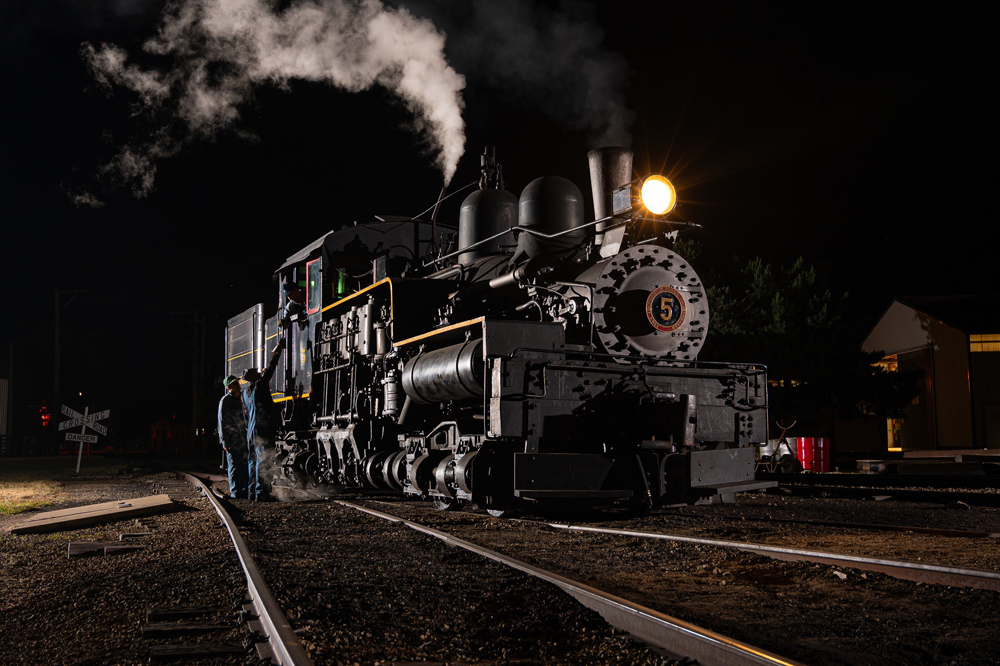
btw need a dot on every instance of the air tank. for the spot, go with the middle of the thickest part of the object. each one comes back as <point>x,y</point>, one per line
<point>486,213</point>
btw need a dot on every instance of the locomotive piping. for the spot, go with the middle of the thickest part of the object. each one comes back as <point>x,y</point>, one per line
<point>516,230</point>
<point>461,324</point>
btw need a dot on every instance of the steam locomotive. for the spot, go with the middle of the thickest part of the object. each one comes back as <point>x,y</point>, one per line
<point>527,360</point>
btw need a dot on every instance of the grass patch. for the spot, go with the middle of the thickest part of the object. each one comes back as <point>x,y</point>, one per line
<point>18,495</point>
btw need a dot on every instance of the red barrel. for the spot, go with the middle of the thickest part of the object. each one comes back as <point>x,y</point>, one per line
<point>814,453</point>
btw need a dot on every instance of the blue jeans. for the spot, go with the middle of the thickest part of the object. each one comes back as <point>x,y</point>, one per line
<point>254,487</point>
<point>237,467</point>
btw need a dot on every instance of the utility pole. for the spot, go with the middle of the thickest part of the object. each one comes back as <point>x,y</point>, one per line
<point>59,308</point>
<point>10,396</point>
<point>197,353</point>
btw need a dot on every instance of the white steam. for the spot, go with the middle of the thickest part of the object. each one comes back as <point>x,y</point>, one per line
<point>220,50</point>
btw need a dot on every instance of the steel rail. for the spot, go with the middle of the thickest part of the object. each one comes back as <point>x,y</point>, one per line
<point>913,571</point>
<point>874,527</point>
<point>285,646</point>
<point>887,493</point>
<point>885,481</point>
<point>677,637</point>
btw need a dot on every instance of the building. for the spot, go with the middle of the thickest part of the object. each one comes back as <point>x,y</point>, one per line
<point>955,341</point>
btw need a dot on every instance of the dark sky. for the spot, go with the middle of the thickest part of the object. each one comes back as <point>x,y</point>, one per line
<point>859,140</point>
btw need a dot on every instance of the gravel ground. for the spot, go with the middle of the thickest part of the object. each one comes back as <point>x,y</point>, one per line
<point>366,591</point>
<point>758,517</point>
<point>91,610</point>
<point>803,611</point>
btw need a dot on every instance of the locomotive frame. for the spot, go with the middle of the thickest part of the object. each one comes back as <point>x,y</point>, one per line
<point>530,360</point>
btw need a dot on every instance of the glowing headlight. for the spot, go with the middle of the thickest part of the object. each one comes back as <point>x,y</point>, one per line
<point>658,195</point>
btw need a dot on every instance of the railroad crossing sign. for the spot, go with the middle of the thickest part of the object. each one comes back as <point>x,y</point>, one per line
<point>85,420</point>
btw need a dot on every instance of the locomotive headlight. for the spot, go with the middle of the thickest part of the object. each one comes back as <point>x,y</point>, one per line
<point>658,195</point>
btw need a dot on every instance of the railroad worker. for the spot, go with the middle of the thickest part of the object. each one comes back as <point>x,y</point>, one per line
<point>296,302</point>
<point>233,436</point>
<point>260,409</point>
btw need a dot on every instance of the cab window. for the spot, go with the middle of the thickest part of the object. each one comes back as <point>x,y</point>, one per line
<point>314,287</point>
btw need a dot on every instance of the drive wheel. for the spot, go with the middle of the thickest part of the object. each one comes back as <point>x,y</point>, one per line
<point>448,504</point>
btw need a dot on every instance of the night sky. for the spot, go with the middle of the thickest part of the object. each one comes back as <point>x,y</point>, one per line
<point>861,141</point>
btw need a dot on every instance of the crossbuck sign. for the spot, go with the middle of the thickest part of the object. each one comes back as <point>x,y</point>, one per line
<point>85,420</point>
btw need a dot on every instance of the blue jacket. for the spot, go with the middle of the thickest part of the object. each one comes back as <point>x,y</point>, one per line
<point>260,407</point>
<point>232,422</point>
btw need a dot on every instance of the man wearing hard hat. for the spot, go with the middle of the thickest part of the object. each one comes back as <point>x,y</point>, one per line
<point>233,436</point>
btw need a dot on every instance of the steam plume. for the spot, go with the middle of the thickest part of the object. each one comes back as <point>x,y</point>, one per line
<point>220,50</point>
<point>547,58</point>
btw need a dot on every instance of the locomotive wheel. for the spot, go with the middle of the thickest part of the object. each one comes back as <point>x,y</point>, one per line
<point>395,470</point>
<point>448,504</point>
<point>374,467</point>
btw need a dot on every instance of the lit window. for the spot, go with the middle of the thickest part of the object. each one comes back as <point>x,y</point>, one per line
<point>989,342</point>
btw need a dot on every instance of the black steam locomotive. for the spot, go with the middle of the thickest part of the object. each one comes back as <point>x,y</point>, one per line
<point>528,359</point>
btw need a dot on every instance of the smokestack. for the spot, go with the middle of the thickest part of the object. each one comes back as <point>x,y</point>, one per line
<point>610,169</point>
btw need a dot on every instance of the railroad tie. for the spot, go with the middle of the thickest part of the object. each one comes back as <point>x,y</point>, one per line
<point>181,612</point>
<point>85,548</point>
<point>170,629</point>
<point>193,650</point>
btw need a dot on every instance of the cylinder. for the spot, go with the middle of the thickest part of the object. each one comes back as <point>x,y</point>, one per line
<point>366,332</point>
<point>391,396</point>
<point>452,373</point>
<point>610,169</point>
<point>383,345</point>
<point>486,213</point>
<point>814,453</point>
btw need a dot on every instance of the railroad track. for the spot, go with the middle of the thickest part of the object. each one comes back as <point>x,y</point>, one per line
<point>675,637</point>
<point>913,571</point>
<point>685,641</point>
<point>888,493</point>
<point>680,639</point>
<point>266,617</point>
<point>903,481</point>
<point>788,608</point>
<point>870,527</point>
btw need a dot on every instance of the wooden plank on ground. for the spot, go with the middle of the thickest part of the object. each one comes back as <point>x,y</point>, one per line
<point>82,548</point>
<point>947,453</point>
<point>926,467</point>
<point>94,514</point>
<point>177,651</point>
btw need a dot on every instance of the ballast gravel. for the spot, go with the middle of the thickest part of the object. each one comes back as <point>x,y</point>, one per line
<point>361,590</point>
<point>90,611</point>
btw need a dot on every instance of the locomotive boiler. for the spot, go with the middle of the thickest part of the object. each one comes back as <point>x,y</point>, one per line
<point>529,359</point>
